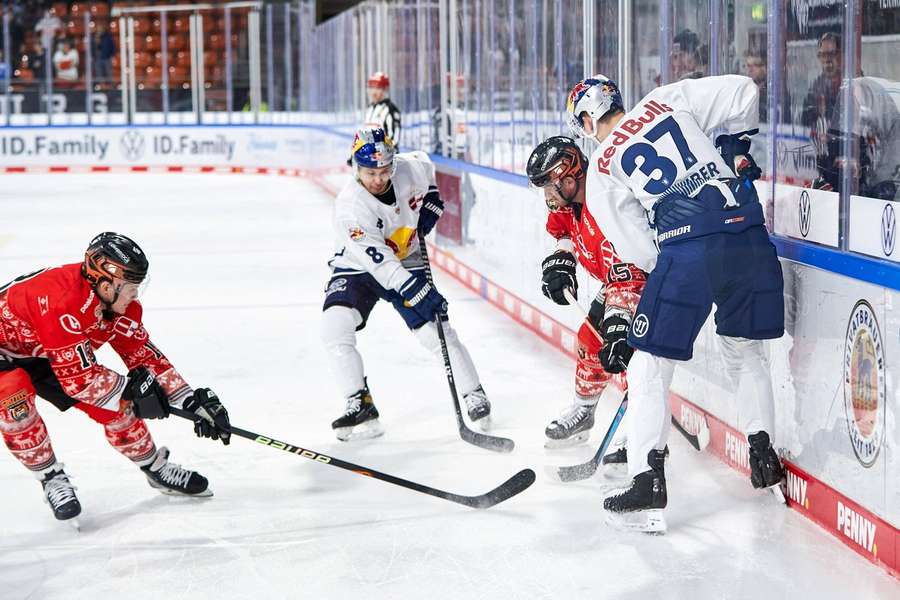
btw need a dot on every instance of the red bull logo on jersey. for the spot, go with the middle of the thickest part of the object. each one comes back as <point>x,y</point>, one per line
<point>400,241</point>
<point>357,234</point>
<point>628,129</point>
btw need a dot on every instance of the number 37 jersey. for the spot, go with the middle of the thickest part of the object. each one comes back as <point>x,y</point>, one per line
<point>661,146</point>
<point>377,236</point>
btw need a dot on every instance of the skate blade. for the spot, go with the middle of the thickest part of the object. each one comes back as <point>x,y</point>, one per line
<point>74,523</point>
<point>168,492</point>
<point>363,431</point>
<point>569,442</point>
<point>650,521</point>
<point>778,493</point>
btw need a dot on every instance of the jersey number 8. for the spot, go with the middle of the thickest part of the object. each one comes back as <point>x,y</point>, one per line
<point>374,254</point>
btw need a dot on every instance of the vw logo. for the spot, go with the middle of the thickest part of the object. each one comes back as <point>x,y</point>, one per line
<point>888,229</point>
<point>132,144</point>
<point>805,213</point>
<point>640,326</point>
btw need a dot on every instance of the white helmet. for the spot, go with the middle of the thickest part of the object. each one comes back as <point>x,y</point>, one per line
<point>596,96</point>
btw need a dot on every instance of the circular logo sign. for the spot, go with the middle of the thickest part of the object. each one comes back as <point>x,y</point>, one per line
<point>805,213</point>
<point>864,383</point>
<point>640,326</point>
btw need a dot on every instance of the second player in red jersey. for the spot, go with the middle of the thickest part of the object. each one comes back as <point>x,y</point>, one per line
<point>558,167</point>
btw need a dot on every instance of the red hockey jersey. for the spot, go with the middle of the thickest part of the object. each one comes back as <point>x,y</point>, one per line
<point>54,314</point>
<point>622,282</point>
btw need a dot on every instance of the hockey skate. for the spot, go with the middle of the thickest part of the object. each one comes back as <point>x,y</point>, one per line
<point>360,419</point>
<point>173,480</point>
<point>640,506</point>
<point>479,408</point>
<point>615,464</point>
<point>572,427</point>
<point>765,466</point>
<point>59,493</point>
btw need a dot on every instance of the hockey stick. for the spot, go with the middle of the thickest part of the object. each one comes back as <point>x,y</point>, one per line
<point>699,441</point>
<point>488,442</point>
<point>509,488</point>
<point>587,469</point>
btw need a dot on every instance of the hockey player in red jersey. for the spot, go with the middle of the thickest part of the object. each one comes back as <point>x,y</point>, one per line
<point>51,321</point>
<point>559,168</point>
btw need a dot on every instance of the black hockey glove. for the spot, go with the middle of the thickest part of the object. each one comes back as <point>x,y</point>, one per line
<point>421,296</point>
<point>735,151</point>
<point>210,417</point>
<point>559,274</point>
<point>431,211</point>
<point>147,397</point>
<point>616,352</point>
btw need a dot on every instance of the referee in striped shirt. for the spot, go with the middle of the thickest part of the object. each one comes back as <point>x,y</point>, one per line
<point>381,112</point>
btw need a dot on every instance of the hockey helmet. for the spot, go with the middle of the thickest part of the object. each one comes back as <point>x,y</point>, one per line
<point>379,79</point>
<point>372,148</point>
<point>112,256</point>
<point>555,158</point>
<point>597,96</point>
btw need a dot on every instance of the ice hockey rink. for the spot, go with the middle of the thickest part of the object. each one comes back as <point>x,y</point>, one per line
<point>238,267</point>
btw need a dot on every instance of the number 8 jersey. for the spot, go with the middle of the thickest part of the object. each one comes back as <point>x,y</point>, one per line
<point>663,146</point>
<point>377,235</point>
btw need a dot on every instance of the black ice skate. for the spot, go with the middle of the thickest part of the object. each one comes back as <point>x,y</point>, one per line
<point>615,464</point>
<point>174,480</point>
<point>360,419</point>
<point>59,493</point>
<point>765,467</point>
<point>572,427</point>
<point>479,408</point>
<point>640,506</point>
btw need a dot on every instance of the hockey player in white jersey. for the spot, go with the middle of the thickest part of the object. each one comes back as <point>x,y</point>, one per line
<point>376,219</point>
<point>687,213</point>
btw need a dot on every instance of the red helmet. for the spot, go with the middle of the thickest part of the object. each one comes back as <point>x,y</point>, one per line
<point>379,79</point>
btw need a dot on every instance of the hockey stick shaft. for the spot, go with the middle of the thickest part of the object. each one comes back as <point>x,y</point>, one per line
<point>514,485</point>
<point>587,469</point>
<point>488,442</point>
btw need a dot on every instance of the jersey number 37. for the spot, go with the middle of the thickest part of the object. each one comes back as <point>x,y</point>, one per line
<point>653,162</point>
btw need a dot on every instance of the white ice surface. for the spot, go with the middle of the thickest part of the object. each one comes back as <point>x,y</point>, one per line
<point>238,269</point>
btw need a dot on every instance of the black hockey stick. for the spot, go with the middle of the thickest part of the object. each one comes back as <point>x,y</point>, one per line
<point>509,488</point>
<point>488,442</point>
<point>587,469</point>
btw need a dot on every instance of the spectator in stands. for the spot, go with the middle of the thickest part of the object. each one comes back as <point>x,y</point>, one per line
<point>818,111</point>
<point>65,61</point>
<point>104,51</point>
<point>687,59</point>
<point>37,60</point>
<point>4,70</point>
<point>756,69</point>
<point>47,28</point>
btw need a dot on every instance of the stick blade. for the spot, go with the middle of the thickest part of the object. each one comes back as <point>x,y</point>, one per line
<point>516,484</point>
<point>580,472</point>
<point>488,442</point>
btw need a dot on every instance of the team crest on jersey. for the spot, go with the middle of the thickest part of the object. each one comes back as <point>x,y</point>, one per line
<point>70,324</point>
<point>125,327</point>
<point>356,234</point>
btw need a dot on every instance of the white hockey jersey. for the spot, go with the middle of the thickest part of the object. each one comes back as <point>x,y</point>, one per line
<point>663,145</point>
<point>378,238</point>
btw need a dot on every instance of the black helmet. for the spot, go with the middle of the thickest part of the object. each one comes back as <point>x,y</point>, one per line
<point>554,158</point>
<point>111,255</point>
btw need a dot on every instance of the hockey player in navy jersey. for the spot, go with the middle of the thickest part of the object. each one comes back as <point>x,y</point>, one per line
<point>685,210</point>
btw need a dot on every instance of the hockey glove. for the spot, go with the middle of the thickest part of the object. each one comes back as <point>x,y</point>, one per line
<point>559,274</point>
<point>210,417</point>
<point>432,209</point>
<point>147,397</point>
<point>616,352</point>
<point>421,296</point>
<point>735,150</point>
